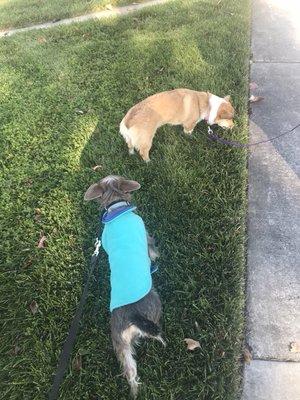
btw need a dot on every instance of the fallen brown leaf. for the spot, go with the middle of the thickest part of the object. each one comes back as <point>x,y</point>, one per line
<point>253,85</point>
<point>37,214</point>
<point>41,244</point>
<point>77,362</point>
<point>247,355</point>
<point>97,167</point>
<point>34,307</point>
<point>191,344</point>
<point>41,39</point>
<point>295,347</point>
<point>255,99</point>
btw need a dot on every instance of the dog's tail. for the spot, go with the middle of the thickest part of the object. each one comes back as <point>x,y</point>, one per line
<point>123,129</point>
<point>126,133</point>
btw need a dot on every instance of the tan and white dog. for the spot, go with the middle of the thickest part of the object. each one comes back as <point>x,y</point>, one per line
<point>175,107</point>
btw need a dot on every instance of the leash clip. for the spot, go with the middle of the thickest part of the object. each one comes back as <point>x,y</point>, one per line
<point>209,130</point>
<point>97,247</point>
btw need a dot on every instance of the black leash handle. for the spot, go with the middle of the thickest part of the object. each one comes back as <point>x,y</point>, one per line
<point>233,143</point>
<point>70,340</point>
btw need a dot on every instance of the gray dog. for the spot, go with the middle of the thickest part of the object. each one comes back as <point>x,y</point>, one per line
<point>135,305</point>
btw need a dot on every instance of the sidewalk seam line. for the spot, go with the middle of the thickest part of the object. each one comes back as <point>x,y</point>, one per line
<point>276,360</point>
<point>274,62</point>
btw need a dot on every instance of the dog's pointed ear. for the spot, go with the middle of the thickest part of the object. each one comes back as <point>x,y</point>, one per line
<point>93,192</point>
<point>129,186</point>
<point>227,98</point>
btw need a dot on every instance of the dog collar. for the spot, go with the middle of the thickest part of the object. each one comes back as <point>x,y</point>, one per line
<point>115,210</point>
<point>116,204</point>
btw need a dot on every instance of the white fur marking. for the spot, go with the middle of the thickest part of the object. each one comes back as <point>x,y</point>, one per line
<point>125,132</point>
<point>129,333</point>
<point>129,363</point>
<point>160,339</point>
<point>130,371</point>
<point>214,104</point>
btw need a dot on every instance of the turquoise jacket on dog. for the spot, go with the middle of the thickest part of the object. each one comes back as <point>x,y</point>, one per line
<point>124,239</point>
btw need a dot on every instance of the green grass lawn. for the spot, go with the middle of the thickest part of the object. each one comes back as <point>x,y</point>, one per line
<point>20,13</point>
<point>63,93</point>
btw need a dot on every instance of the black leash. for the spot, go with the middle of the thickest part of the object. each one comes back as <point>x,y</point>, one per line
<point>214,137</point>
<point>69,342</point>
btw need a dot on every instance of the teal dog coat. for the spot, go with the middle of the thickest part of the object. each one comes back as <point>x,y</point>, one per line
<point>124,239</point>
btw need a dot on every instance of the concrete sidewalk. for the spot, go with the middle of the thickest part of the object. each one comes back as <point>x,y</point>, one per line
<point>273,288</point>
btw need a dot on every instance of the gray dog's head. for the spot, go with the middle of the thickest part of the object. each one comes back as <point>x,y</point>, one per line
<point>110,189</point>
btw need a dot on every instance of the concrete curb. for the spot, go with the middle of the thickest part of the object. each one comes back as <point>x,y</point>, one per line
<point>97,15</point>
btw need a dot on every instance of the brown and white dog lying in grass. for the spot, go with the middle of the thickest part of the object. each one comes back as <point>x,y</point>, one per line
<point>175,107</point>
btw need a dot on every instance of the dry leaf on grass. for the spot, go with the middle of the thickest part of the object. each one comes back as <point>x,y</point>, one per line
<point>295,347</point>
<point>41,244</point>
<point>255,99</point>
<point>77,362</point>
<point>247,355</point>
<point>97,167</point>
<point>41,39</point>
<point>37,214</point>
<point>34,307</point>
<point>253,85</point>
<point>191,344</point>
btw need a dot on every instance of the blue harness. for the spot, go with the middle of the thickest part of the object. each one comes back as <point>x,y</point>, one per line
<point>124,239</point>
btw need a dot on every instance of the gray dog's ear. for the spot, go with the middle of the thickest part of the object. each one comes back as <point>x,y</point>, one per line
<point>129,186</point>
<point>93,192</point>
